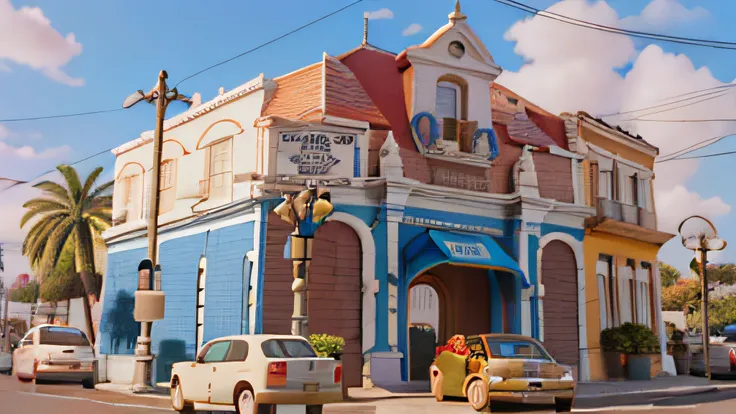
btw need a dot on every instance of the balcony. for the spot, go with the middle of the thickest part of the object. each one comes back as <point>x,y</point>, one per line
<point>626,220</point>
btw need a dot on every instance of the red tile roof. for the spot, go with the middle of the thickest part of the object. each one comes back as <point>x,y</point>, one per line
<point>377,73</point>
<point>324,88</point>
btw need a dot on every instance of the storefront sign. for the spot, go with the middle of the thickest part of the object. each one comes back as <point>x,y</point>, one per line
<point>316,153</point>
<point>468,250</point>
<point>425,222</point>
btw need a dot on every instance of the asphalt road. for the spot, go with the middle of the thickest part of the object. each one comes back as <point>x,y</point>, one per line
<point>21,398</point>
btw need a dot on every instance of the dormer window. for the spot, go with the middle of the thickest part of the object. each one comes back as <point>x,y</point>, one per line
<point>447,97</point>
<point>451,109</point>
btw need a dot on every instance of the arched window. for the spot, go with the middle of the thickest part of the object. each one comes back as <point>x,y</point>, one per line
<point>451,105</point>
<point>201,283</point>
<point>167,186</point>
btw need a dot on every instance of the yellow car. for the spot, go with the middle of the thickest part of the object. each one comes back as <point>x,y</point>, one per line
<point>503,368</point>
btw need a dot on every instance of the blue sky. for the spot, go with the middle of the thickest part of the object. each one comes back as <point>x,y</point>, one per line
<point>122,50</point>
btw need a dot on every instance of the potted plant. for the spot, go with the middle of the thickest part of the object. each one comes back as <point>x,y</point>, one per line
<point>327,346</point>
<point>612,344</point>
<point>680,352</point>
<point>640,344</point>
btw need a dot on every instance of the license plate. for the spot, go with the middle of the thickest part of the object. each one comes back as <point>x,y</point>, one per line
<point>311,387</point>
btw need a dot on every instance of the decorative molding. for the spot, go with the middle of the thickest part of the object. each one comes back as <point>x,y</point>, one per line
<point>232,121</point>
<point>368,249</point>
<point>143,169</point>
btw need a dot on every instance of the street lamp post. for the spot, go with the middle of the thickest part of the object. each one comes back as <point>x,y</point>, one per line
<point>307,211</point>
<point>700,235</point>
<point>162,96</point>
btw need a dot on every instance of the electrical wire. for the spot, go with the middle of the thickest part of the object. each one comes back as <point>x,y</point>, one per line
<point>716,94</point>
<point>685,120</point>
<point>302,27</point>
<point>673,108</point>
<point>717,44</point>
<point>717,154</point>
<point>38,118</point>
<point>262,45</point>
<point>692,148</point>
<point>17,183</point>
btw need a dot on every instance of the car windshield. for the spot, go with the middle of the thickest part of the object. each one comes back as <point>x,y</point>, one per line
<point>287,348</point>
<point>515,349</point>
<point>63,336</point>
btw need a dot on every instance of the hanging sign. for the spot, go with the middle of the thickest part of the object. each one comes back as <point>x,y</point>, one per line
<point>468,250</point>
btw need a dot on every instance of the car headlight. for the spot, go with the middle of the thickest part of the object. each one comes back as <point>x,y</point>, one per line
<point>567,376</point>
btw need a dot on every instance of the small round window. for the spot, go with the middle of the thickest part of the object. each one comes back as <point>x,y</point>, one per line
<point>456,49</point>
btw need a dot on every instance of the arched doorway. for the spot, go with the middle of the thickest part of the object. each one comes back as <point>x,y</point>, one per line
<point>424,321</point>
<point>560,310</point>
<point>334,296</point>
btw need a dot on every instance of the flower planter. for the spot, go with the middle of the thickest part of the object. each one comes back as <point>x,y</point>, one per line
<point>682,362</point>
<point>614,365</point>
<point>638,367</point>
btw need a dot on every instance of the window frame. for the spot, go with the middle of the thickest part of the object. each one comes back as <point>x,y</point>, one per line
<point>444,84</point>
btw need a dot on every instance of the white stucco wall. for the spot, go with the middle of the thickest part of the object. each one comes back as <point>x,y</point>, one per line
<point>228,119</point>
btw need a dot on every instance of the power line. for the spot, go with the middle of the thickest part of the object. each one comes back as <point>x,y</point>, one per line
<point>609,29</point>
<point>38,118</point>
<point>693,148</point>
<point>269,42</point>
<point>717,154</point>
<point>684,120</point>
<point>17,183</point>
<point>718,93</point>
<point>673,108</point>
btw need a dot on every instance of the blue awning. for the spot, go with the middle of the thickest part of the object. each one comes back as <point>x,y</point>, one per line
<point>477,250</point>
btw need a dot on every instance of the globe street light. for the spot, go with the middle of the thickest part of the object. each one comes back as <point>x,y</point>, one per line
<point>700,235</point>
<point>162,96</point>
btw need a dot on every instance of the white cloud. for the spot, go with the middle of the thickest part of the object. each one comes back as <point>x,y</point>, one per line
<point>35,43</point>
<point>662,15</point>
<point>572,68</point>
<point>27,152</point>
<point>412,29</point>
<point>380,14</point>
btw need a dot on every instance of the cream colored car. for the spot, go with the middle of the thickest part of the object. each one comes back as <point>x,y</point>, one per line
<point>252,373</point>
<point>50,352</point>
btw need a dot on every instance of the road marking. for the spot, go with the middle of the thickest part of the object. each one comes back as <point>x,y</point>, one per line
<point>631,408</point>
<point>95,401</point>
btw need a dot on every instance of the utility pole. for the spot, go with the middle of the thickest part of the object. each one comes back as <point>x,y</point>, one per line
<point>6,342</point>
<point>163,96</point>
<point>704,311</point>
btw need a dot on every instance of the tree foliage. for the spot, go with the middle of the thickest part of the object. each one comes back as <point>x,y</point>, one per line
<point>721,312</point>
<point>27,294</point>
<point>668,274</point>
<point>684,296</point>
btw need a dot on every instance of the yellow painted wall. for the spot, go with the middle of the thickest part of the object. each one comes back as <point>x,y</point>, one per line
<point>620,248</point>
<point>618,148</point>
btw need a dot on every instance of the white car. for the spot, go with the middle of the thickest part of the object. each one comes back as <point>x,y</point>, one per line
<point>253,373</point>
<point>50,352</point>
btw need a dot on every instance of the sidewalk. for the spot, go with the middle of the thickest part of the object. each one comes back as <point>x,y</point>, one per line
<point>681,384</point>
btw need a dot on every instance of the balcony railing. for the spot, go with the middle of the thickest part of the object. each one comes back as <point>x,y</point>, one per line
<point>615,210</point>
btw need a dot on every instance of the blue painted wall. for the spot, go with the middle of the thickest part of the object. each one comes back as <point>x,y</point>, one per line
<point>118,330</point>
<point>226,250</point>
<point>172,338</point>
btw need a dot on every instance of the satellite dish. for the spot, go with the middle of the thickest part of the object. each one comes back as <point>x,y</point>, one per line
<point>698,233</point>
<point>133,99</point>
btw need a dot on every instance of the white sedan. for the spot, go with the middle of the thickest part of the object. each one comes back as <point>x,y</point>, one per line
<point>50,352</point>
<point>252,374</point>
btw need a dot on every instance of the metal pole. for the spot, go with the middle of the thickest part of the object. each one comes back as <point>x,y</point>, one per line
<point>141,378</point>
<point>6,342</point>
<point>704,311</point>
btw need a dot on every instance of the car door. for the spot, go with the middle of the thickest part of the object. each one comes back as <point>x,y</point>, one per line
<point>206,369</point>
<point>195,379</point>
<point>227,373</point>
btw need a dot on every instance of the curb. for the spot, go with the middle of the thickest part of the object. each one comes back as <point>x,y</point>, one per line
<point>661,392</point>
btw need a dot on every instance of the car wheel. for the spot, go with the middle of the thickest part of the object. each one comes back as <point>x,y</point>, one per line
<point>563,405</point>
<point>88,383</point>
<point>177,400</point>
<point>246,403</point>
<point>477,393</point>
<point>437,385</point>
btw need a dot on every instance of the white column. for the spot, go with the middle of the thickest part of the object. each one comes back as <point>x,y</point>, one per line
<point>396,202</point>
<point>530,225</point>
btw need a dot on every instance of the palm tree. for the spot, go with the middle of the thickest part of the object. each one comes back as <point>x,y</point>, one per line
<point>73,215</point>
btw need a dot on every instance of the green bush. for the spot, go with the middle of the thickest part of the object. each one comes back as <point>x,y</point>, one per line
<point>630,338</point>
<point>327,345</point>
